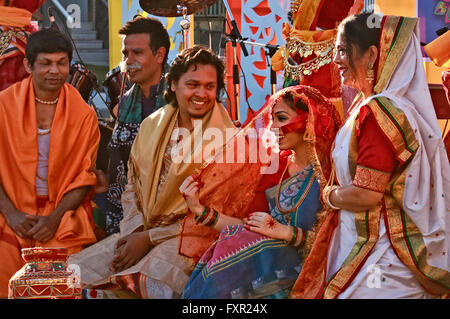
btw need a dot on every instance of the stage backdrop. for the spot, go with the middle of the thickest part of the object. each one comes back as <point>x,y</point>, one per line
<point>261,22</point>
<point>121,11</point>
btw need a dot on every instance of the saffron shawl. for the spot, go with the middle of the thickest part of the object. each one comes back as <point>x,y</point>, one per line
<point>74,141</point>
<point>417,207</point>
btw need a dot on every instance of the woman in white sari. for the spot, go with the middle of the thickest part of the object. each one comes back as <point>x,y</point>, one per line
<point>386,234</point>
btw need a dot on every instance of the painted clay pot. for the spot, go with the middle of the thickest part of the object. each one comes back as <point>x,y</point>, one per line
<point>44,276</point>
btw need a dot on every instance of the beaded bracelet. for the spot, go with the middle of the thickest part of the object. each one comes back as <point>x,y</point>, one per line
<point>295,239</point>
<point>294,235</point>
<point>202,216</point>
<point>209,217</point>
<point>214,219</point>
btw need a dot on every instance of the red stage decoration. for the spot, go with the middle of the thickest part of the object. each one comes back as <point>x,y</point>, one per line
<point>44,276</point>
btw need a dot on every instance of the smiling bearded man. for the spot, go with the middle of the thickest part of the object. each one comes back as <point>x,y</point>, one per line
<point>48,145</point>
<point>144,257</point>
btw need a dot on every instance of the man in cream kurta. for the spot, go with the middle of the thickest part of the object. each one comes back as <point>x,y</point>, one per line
<point>144,258</point>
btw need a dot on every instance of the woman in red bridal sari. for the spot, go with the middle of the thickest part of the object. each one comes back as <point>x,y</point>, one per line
<point>261,255</point>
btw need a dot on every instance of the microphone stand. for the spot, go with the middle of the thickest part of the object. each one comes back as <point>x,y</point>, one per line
<point>235,36</point>
<point>271,49</point>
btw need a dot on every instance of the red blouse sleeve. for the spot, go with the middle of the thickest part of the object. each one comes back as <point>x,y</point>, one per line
<point>376,159</point>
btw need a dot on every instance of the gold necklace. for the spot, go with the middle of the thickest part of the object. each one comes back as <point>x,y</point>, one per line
<point>300,201</point>
<point>47,131</point>
<point>46,102</point>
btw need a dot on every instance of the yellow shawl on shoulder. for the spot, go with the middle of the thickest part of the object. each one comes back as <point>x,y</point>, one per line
<point>146,159</point>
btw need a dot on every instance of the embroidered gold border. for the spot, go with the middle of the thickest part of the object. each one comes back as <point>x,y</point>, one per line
<point>353,152</point>
<point>371,179</point>
<point>386,38</point>
<point>427,275</point>
<point>401,136</point>
<point>395,53</point>
<point>353,144</point>
<point>367,228</point>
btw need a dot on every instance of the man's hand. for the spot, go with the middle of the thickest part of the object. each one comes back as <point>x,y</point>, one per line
<point>102,181</point>
<point>45,228</point>
<point>21,223</point>
<point>130,250</point>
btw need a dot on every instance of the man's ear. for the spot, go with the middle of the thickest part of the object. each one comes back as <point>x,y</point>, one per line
<point>27,65</point>
<point>160,54</point>
<point>173,86</point>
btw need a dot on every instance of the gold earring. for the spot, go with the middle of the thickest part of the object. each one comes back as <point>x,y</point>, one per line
<point>370,74</point>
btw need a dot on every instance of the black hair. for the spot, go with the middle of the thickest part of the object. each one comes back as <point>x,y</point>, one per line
<point>357,34</point>
<point>154,28</point>
<point>299,104</point>
<point>47,41</point>
<point>198,54</point>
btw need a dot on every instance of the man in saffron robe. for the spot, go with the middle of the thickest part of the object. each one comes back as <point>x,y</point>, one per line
<point>48,146</point>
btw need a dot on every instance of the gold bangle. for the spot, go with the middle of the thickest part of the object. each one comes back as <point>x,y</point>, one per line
<point>326,196</point>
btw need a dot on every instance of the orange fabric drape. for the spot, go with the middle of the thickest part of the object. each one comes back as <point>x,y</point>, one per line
<point>439,50</point>
<point>311,281</point>
<point>74,141</point>
<point>14,17</point>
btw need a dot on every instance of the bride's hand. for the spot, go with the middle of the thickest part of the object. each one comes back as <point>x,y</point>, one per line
<point>190,191</point>
<point>263,223</point>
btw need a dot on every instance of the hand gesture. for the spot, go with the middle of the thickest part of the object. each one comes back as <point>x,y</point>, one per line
<point>21,223</point>
<point>45,228</point>
<point>190,191</point>
<point>263,223</point>
<point>130,250</point>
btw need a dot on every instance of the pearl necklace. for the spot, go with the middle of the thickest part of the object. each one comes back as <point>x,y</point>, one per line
<point>46,102</point>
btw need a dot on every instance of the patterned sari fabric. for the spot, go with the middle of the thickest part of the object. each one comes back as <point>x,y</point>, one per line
<point>405,237</point>
<point>119,147</point>
<point>230,188</point>
<point>245,264</point>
